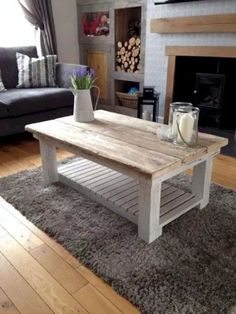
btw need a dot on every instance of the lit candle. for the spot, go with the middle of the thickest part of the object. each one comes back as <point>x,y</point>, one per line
<point>186,127</point>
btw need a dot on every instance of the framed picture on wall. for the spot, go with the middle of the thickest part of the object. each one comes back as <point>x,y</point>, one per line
<point>96,24</point>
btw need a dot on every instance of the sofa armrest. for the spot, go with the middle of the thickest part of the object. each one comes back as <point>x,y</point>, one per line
<point>64,72</point>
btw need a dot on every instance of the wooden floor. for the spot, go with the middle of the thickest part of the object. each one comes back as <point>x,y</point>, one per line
<point>37,275</point>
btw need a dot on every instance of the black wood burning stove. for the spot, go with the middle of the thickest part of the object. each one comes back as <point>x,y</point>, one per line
<point>208,96</point>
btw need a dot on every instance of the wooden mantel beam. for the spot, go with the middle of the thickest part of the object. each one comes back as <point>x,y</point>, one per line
<point>222,23</point>
<point>202,51</point>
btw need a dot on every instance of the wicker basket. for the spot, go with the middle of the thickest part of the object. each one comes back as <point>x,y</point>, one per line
<point>127,100</point>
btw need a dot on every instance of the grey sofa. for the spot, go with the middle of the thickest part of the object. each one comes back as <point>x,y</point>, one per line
<point>19,107</point>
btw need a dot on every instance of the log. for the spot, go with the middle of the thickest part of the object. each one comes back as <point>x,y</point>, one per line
<point>135,52</point>
<point>132,41</point>
<point>138,41</point>
<point>119,44</point>
<point>122,50</point>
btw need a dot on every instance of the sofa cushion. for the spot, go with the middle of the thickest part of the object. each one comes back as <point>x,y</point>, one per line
<point>2,87</point>
<point>8,65</point>
<point>17,102</point>
<point>36,72</point>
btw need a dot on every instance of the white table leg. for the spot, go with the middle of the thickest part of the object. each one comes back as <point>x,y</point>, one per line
<point>201,181</point>
<point>149,209</point>
<point>49,162</point>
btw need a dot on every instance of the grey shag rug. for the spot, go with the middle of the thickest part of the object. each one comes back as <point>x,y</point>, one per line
<point>190,269</point>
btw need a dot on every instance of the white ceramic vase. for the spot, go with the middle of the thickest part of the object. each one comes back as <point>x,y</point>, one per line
<point>83,107</point>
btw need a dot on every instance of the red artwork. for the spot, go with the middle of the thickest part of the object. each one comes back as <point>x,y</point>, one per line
<point>96,23</point>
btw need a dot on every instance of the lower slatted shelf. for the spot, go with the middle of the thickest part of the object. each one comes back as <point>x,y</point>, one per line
<point>119,192</point>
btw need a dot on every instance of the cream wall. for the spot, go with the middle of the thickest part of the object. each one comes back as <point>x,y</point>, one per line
<point>66,24</point>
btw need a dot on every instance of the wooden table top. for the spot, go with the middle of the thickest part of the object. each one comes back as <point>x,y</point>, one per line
<point>125,140</point>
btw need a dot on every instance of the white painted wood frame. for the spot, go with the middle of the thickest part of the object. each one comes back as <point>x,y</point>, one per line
<point>201,181</point>
<point>149,205</point>
<point>49,161</point>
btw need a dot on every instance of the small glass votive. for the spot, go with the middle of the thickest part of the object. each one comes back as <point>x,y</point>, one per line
<point>163,133</point>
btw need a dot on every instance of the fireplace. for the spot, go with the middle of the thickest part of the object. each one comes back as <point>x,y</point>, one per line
<point>208,83</point>
<point>209,91</point>
<point>205,76</point>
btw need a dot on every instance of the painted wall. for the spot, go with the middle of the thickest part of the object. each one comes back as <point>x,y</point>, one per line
<point>155,59</point>
<point>66,24</point>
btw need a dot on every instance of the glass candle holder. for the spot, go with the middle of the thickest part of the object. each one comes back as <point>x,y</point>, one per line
<point>185,124</point>
<point>176,106</point>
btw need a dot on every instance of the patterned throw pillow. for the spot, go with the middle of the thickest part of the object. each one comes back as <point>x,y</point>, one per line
<point>2,88</point>
<point>36,72</point>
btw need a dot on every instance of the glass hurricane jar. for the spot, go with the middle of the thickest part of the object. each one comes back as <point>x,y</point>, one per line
<point>176,106</point>
<point>185,125</point>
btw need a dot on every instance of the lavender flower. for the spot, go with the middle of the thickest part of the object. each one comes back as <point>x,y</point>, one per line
<point>83,78</point>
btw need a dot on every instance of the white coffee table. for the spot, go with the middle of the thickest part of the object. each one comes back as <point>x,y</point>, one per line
<point>123,166</point>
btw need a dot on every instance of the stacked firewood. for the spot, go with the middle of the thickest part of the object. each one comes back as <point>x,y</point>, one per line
<point>128,55</point>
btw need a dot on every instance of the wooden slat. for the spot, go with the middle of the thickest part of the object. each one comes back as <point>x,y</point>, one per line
<point>130,197</point>
<point>221,23</point>
<point>176,202</point>
<point>92,178</point>
<point>179,210</point>
<point>124,194</point>
<point>167,191</point>
<point>6,305</point>
<point>95,171</point>
<point>80,165</point>
<point>81,168</point>
<point>117,190</point>
<point>116,181</point>
<point>171,197</point>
